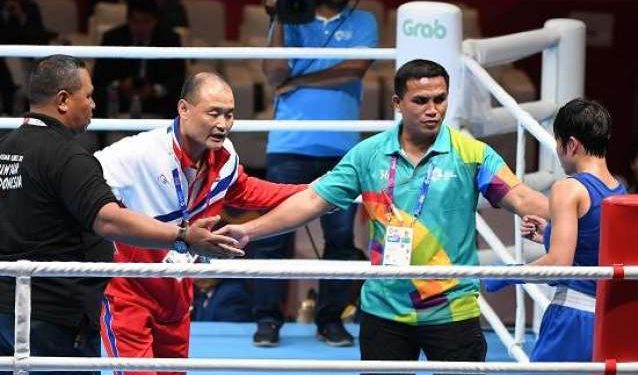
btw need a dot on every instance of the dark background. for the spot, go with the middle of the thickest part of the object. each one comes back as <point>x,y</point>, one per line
<point>611,69</point>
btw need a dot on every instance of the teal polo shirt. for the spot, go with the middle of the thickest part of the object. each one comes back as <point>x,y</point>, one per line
<point>444,233</point>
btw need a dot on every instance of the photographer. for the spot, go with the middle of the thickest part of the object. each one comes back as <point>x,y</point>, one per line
<point>312,89</point>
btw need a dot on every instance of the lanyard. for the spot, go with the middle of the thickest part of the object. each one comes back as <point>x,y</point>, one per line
<point>181,199</point>
<point>425,186</point>
<point>177,182</point>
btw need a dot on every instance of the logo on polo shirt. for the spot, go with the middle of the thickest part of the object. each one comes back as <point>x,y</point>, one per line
<point>162,179</point>
<point>440,174</point>
<point>384,174</point>
<point>343,35</point>
<point>10,176</point>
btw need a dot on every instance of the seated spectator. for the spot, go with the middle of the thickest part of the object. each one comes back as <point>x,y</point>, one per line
<point>93,3</point>
<point>20,23</point>
<point>221,300</point>
<point>152,84</point>
<point>172,13</point>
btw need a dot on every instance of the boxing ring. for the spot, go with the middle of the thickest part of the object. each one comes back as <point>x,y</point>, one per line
<point>295,269</point>
<point>561,43</point>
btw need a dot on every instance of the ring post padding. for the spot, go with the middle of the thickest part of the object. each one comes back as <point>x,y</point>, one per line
<point>433,31</point>
<point>615,334</point>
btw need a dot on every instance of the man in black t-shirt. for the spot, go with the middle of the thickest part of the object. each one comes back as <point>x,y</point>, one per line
<point>54,200</point>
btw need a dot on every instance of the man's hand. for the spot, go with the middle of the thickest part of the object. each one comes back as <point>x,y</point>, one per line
<point>212,245</point>
<point>533,228</point>
<point>238,232</point>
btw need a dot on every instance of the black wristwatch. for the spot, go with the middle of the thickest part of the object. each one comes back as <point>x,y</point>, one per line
<point>180,245</point>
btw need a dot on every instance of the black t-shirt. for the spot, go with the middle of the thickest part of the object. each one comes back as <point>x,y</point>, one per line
<point>51,191</point>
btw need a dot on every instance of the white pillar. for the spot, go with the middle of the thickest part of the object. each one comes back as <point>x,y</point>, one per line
<point>433,31</point>
<point>563,73</point>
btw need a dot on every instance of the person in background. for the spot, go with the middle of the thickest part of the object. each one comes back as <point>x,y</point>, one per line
<point>221,300</point>
<point>314,89</point>
<point>140,87</point>
<point>20,23</point>
<point>172,13</point>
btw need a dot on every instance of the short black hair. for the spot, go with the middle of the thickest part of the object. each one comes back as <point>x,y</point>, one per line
<point>52,74</point>
<point>417,69</point>
<point>586,120</point>
<point>192,84</point>
<point>142,6</point>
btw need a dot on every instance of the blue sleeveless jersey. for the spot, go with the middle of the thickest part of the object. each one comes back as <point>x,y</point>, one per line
<point>588,230</point>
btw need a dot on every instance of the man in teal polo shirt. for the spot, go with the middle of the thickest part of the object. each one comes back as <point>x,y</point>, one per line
<point>420,183</point>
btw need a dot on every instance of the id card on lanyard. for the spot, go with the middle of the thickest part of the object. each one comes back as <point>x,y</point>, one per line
<point>174,256</point>
<point>399,237</point>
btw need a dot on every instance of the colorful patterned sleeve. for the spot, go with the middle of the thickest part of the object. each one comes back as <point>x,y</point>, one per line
<point>341,186</point>
<point>494,178</point>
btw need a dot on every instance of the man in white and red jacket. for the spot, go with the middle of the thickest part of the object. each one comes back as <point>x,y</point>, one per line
<point>175,174</point>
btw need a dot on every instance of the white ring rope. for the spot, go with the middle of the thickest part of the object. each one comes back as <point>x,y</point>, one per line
<point>238,126</point>
<point>305,365</point>
<point>305,269</point>
<point>495,243</point>
<point>504,49</point>
<point>487,51</point>
<point>523,117</point>
<point>514,349</point>
<point>228,53</point>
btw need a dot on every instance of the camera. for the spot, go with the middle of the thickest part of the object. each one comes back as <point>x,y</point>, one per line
<point>293,12</point>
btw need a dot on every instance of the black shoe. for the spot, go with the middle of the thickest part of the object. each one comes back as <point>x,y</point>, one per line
<point>335,334</point>
<point>267,334</point>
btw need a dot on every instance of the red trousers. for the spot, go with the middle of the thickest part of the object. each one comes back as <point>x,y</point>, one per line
<point>130,330</point>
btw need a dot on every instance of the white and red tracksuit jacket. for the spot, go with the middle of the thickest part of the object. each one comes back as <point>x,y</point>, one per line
<point>139,170</point>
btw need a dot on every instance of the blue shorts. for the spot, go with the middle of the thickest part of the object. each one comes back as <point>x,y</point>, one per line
<point>566,335</point>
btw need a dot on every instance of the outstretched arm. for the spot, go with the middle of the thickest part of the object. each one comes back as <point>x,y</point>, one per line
<point>292,213</point>
<point>523,200</point>
<point>119,224</point>
<point>251,193</point>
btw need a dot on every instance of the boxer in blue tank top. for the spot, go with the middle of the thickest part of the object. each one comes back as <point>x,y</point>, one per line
<point>582,129</point>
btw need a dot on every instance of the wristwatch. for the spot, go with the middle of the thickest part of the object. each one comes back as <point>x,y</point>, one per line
<point>180,245</point>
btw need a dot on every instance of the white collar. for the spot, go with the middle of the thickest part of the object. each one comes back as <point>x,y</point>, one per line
<point>328,20</point>
<point>33,121</point>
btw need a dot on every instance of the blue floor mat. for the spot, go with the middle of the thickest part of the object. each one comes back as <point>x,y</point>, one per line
<point>234,340</point>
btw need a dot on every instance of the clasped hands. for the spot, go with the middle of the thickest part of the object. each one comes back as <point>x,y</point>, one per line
<point>225,243</point>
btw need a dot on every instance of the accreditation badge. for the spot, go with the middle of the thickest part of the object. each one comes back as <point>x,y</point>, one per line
<point>398,246</point>
<point>175,257</point>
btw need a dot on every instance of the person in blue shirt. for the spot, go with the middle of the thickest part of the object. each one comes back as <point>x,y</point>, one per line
<point>314,89</point>
<point>582,129</point>
<point>221,300</point>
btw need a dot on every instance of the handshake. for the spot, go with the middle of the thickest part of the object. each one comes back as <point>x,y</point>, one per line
<point>226,242</point>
